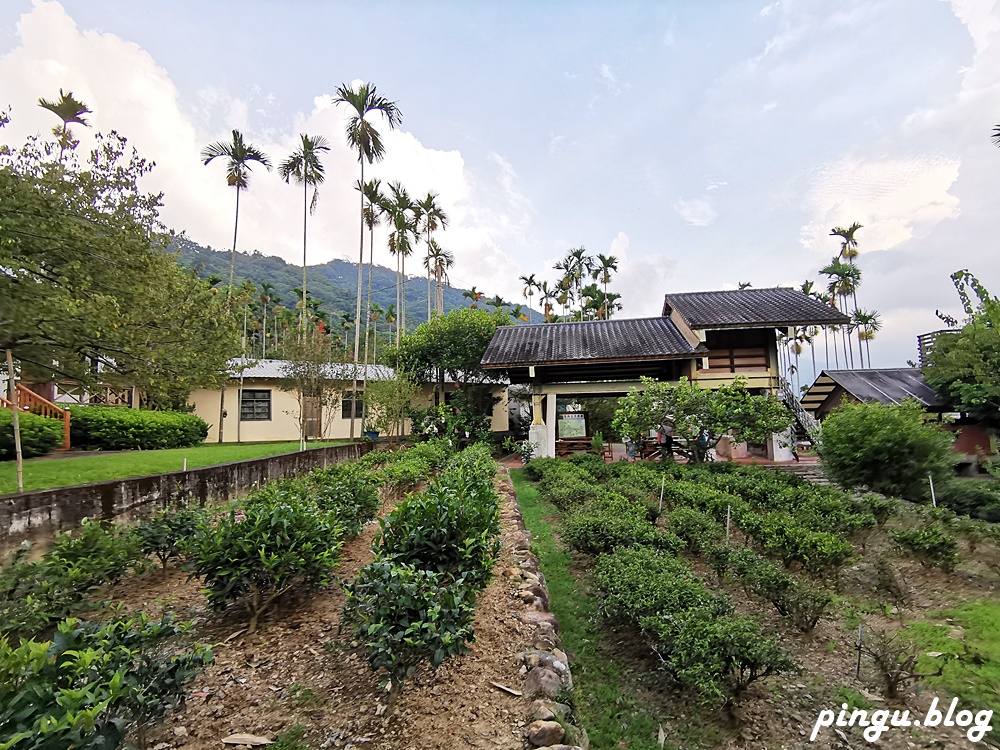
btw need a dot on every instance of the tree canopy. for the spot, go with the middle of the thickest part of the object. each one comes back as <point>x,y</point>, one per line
<point>85,279</point>
<point>454,342</point>
<point>964,367</point>
<point>700,417</point>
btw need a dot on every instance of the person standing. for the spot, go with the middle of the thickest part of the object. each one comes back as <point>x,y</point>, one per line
<point>665,437</point>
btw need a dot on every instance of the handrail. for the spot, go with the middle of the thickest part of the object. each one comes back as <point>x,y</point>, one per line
<point>30,401</point>
<point>807,420</point>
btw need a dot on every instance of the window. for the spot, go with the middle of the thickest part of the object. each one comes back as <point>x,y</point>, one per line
<point>359,405</point>
<point>255,406</point>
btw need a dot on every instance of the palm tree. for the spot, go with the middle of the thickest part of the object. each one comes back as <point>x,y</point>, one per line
<point>433,217</point>
<point>70,110</point>
<point>517,313</point>
<point>547,297</point>
<point>439,261</point>
<point>996,136</point>
<point>239,159</point>
<point>375,312</point>
<point>867,323</point>
<point>373,213</point>
<point>530,285</point>
<point>362,135</point>
<point>390,318</point>
<point>848,245</point>
<point>603,267</point>
<point>306,169</point>
<point>578,264</point>
<point>497,302</point>
<point>399,209</point>
<point>474,295</point>
<point>266,296</point>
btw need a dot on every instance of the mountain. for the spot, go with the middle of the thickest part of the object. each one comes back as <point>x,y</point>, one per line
<point>334,283</point>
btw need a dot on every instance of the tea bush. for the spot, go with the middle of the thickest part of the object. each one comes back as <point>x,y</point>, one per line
<point>976,498</point>
<point>165,534</point>
<point>39,435</point>
<point>780,534</point>
<point>264,549</point>
<point>93,683</point>
<point>349,492</point>
<point>791,597</point>
<point>110,428</point>
<point>611,521</point>
<point>405,615</point>
<point>930,544</point>
<point>698,529</point>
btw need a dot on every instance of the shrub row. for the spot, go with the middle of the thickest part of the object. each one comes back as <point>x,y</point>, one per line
<point>39,435</point>
<point>108,428</point>
<point>416,601</point>
<point>702,644</point>
<point>612,520</point>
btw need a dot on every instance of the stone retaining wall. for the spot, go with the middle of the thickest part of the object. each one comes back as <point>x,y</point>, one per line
<point>38,515</point>
<point>545,666</point>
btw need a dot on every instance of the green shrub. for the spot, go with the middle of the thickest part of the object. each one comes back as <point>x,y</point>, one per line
<point>260,551</point>
<point>39,435</point>
<point>931,544</point>
<point>611,521</point>
<point>791,597</point>
<point>593,465</point>
<point>971,497</point>
<point>111,428</point>
<point>881,508</point>
<point>698,529</point>
<point>405,615</point>
<point>536,468</point>
<point>102,552</point>
<point>717,656</point>
<point>93,683</point>
<point>349,492</point>
<point>453,528</point>
<point>886,448</point>
<point>34,596</point>
<point>165,534</point>
<point>641,582</point>
<point>779,533</point>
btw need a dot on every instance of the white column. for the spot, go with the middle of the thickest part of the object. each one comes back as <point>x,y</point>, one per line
<point>550,423</point>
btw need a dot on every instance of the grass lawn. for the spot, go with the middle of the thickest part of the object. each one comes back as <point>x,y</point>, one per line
<point>45,473</point>
<point>609,709</point>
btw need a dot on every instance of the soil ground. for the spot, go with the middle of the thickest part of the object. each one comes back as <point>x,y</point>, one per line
<point>297,669</point>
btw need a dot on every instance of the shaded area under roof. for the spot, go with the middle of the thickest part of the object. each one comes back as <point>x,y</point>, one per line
<point>626,339</point>
<point>776,307</point>
<point>888,386</point>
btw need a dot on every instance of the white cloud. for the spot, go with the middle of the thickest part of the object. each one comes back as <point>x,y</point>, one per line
<point>131,93</point>
<point>895,199</point>
<point>641,280</point>
<point>697,212</point>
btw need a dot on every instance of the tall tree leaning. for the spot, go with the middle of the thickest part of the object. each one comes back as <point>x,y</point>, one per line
<point>240,157</point>
<point>362,136</point>
<point>305,167</point>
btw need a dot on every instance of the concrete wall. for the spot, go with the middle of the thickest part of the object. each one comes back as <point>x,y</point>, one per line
<point>38,515</point>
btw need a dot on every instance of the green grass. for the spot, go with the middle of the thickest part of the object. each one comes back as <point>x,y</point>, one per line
<point>606,704</point>
<point>45,473</point>
<point>972,680</point>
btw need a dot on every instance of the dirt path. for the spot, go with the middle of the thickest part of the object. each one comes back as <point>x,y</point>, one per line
<point>297,670</point>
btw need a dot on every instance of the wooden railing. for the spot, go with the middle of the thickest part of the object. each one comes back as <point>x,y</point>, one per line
<point>30,401</point>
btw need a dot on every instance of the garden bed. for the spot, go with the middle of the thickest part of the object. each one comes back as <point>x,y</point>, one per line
<point>626,694</point>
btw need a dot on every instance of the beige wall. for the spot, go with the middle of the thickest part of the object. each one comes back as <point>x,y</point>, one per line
<point>284,424</point>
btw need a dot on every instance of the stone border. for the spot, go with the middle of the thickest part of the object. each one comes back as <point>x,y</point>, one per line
<point>545,666</point>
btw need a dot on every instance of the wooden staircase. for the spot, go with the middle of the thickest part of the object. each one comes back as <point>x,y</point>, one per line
<point>30,401</point>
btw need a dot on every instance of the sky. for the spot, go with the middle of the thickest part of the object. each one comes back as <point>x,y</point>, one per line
<point>702,144</point>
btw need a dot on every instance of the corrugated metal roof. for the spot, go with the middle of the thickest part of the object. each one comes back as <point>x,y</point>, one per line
<point>274,369</point>
<point>589,341</point>
<point>886,386</point>
<point>776,307</point>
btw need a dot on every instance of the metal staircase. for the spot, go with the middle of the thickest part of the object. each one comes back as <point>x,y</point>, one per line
<point>805,419</point>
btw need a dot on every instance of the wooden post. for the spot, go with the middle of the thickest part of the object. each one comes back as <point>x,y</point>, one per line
<point>66,418</point>
<point>15,410</point>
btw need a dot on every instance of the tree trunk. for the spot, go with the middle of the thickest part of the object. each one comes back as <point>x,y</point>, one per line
<point>368,306</point>
<point>232,253</point>
<point>305,220</point>
<point>15,415</point>
<point>357,309</point>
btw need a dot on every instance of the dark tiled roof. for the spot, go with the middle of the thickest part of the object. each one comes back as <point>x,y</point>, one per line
<point>591,341</point>
<point>751,308</point>
<point>889,386</point>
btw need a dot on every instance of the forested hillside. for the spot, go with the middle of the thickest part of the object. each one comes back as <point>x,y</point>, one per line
<point>334,283</point>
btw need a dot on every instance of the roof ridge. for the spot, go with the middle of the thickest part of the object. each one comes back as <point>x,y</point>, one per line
<point>727,291</point>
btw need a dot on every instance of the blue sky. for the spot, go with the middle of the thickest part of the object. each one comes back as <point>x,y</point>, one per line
<point>705,144</point>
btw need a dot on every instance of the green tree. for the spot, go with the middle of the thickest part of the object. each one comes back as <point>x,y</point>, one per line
<point>363,137</point>
<point>314,377</point>
<point>239,157</point>
<point>438,262</point>
<point>452,344</point>
<point>387,404</point>
<point>700,417</point>
<point>373,213</point>
<point>531,285</point>
<point>87,284</point>
<point>70,110</point>
<point>305,167</point>
<point>433,217</point>
<point>886,448</point>
<point>964,367</point>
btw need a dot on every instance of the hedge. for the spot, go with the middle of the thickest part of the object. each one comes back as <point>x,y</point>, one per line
<point>113,428</point>
<point>39,435</point>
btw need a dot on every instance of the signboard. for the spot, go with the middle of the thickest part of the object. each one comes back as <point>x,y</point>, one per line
<point>572,424</point>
